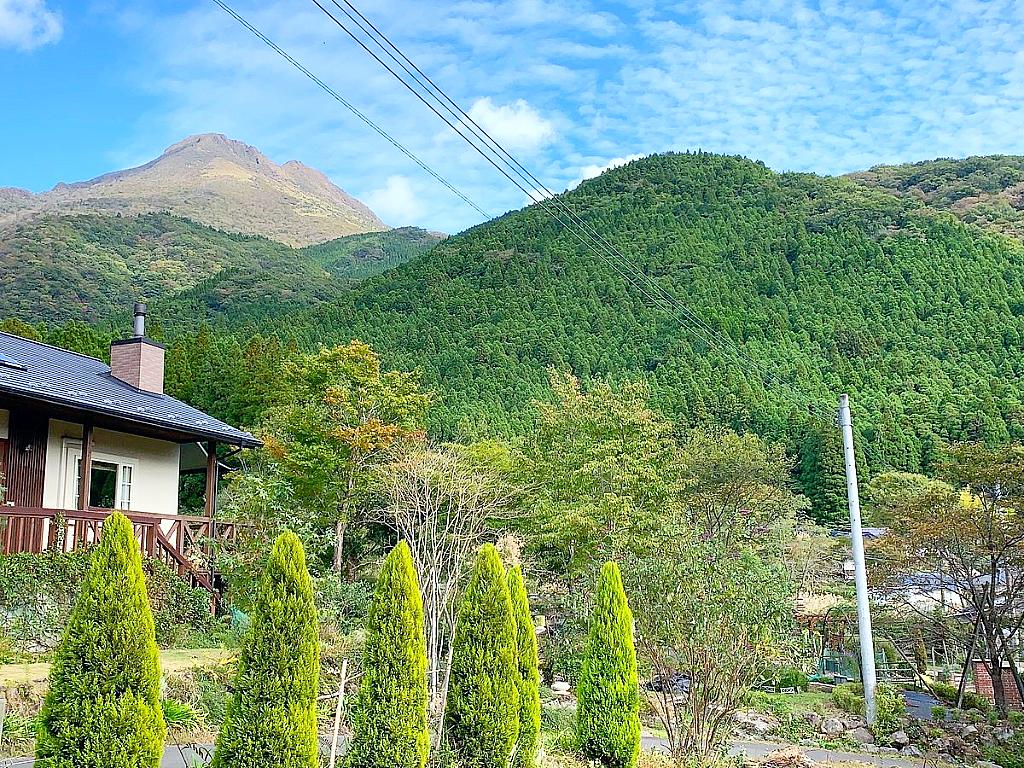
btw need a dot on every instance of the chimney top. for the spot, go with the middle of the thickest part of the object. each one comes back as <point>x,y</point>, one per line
<point>139,323</point>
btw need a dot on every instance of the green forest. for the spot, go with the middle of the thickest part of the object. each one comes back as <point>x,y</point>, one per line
<point>823,284</point>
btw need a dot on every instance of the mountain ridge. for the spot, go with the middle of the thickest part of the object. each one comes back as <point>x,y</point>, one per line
<point>215,181</point>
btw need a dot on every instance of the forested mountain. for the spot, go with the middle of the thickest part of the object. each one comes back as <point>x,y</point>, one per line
<point>215,181</point>
<point>91,267</point>
<point>986,190</point>
<point>827,285</point>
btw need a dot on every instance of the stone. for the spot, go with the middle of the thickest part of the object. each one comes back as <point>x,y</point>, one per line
<point>832,726</point>
<point>853,722</point>
<point>911,751</point>
<point>969,731</point>
<point>560,688</point>
<point>861,735</point>
<point>986,764</point>
<point>813,719</point>
<point>899,739</point>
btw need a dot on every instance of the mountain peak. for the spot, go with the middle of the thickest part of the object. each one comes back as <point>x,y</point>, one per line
<point>220,182</point>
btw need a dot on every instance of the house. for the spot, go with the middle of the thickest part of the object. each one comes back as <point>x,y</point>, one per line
<point>79,438</point>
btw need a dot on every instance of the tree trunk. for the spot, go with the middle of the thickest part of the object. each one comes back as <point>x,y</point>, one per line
<point>1016,676</point>
<point>339,545</point>
<point>998,693</point>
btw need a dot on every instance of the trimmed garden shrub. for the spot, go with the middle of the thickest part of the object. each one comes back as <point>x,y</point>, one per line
<point>890,707</point>
<point>608,713</point>
<point>849,697</point>
<point>529,675</point>
<point>390,717</point>
<point>482,712</point>
<point>103,705</point>
<point>270,720</point>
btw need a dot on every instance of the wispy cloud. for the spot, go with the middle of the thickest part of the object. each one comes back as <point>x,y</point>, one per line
<point>28,24</point>
<point>574,86</point>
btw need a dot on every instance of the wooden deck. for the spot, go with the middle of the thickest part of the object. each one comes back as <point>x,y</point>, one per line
<point>182,543</point>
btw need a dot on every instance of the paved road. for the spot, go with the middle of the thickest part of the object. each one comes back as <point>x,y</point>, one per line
<point>175,757</point>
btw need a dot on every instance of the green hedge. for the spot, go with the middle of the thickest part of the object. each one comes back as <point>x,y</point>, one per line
<point>38,592</point>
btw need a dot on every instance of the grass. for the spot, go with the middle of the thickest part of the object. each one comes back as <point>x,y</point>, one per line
<point>173,660</point>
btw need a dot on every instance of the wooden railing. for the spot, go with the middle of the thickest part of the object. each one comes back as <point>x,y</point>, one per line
<point>181,542</point>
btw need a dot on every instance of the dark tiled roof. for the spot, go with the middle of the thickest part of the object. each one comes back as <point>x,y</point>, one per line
<point>48,374</point>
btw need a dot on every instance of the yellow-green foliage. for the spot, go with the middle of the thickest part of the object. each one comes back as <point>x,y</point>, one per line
<point>103,705</point>
<point>390,719</point>
<point>271,719</point>
<point>482,712</point>
<point>529,675</point>
<point>608,714</point>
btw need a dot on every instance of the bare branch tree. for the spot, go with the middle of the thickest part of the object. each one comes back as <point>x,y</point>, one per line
<point>443,504</point>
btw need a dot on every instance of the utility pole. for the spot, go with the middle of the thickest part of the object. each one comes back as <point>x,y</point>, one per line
<point>867,643</point>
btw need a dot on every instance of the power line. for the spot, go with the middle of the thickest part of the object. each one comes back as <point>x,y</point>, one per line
<point>341,100</point>
<point>534,188</point>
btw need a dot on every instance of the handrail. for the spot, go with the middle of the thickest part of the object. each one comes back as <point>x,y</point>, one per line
<point>98,513</point>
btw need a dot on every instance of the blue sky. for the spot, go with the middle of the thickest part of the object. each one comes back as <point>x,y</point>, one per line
<point>570,86</point>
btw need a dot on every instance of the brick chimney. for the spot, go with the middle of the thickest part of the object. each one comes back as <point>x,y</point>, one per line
<point>138,361</point>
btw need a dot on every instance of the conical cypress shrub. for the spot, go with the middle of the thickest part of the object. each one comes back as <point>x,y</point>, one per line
<point>482,710</point>
<point>529,676</point>
<point>103,704</point>
<point>608,711</point>
<point>270,720</point>
<point>390,717</point>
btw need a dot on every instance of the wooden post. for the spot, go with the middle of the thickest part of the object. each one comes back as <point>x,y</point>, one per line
<point>211,480</point>
<point>85,467</point>
<point>337,712</point>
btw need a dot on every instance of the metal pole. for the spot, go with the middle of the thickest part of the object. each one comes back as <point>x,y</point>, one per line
<point>867,645</point>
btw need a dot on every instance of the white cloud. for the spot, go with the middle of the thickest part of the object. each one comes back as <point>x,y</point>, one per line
<point>516,126</point>
<point>590,171</point>
<point>28,24</point>
<point>396,202</point>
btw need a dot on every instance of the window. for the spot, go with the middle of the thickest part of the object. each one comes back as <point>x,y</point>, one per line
<point>110,484</point>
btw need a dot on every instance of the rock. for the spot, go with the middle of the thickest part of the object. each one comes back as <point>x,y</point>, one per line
<point>899,739</point>
<point>1003,734</point>
<point>756,723</point>
<point>813,719</point>
<point>787,757</point>
<point>832,726</point>
<point>852,722</point>
<point>968,731</point>
<point>861,735</point>
<point>986,764</point>
<point>911,751</point>
<point>560,688</point>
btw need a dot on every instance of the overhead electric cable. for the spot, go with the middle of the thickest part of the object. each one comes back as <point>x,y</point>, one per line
<point>534,188</point>
<point>350,107</point>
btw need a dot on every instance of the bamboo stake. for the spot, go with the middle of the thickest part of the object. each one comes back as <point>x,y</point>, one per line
<point>337,712</point>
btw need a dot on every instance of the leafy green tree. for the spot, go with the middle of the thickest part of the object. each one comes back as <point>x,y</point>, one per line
<point>482,709</point>
<point>529,674</point>
<point>271,718</point>
<point>390,720</point>
<point>103,704</point>
<point>340,415</point>
<point>608,713</point>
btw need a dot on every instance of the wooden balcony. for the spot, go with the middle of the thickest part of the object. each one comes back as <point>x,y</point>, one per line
<point>182,543</point>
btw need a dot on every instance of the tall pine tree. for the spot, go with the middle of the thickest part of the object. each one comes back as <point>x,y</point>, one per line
<point>608,712</point>
<point>271,718</point>
<point>390,719</point>
<point>103,705</point>
<point>482,711</point>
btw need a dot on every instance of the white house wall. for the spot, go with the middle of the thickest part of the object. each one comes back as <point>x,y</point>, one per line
<point>155,475</point>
